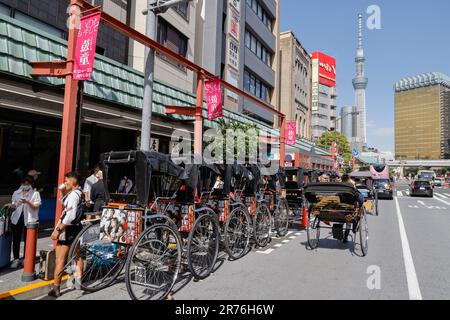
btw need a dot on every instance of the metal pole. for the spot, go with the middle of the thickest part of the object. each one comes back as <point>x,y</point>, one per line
<point>146,126</point>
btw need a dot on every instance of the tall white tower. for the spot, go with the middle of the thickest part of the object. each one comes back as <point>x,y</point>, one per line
<point>360,84</point>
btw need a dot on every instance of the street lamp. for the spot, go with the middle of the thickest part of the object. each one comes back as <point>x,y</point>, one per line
<point>154,7</point>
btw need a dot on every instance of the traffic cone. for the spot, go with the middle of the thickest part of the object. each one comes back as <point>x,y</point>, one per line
<point>304,218</point>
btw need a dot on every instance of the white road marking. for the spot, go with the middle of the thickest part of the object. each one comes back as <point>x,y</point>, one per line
<point>399,194</point>
<point>298,234</point>
<point>268,251</point>
<point>411,276</point>
<point>279,245</point>
<point>441,195</point>
<point>292,238</point>
<point>447,203</point>
<point>285,241</point>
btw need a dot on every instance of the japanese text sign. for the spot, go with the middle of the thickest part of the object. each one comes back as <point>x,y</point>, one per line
<point>85,49</point>
<point>291,133</point>
<point>213,95</point>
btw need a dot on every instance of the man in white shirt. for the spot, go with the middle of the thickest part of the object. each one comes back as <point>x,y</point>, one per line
<point>26,202</point>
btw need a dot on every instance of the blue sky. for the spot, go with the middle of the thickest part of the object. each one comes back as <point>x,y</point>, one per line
<point>414,38</point>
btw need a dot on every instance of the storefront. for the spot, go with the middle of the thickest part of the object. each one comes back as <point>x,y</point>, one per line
<point>31,112</point>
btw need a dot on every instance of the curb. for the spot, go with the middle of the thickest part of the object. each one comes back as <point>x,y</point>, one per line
<point>29,292</point>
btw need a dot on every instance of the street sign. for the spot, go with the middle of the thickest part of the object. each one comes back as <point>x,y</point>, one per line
<point>355,153</point>
<point>85,47</point>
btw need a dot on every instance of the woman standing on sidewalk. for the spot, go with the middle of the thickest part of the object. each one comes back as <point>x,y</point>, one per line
<point>66,229</point>
<point>26,202</point>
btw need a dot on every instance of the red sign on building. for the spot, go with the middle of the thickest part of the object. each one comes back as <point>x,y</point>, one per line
<point>291,133</point>
<point>85,49</point>
<point>213,93</point>
<point>327,69</point>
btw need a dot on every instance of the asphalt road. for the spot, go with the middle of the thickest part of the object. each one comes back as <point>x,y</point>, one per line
<point>409,258</point>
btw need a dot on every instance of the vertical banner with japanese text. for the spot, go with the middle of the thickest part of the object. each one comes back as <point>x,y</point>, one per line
<point>214,101</point>
<point>291,133</point>
<point>85,49</point>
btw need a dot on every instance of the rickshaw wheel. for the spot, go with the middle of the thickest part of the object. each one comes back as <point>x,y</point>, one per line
<point>203,246</point>
<point>262,226</point>
<point>237,233</point>
<point>154,263</point>
<point>281,218</point>
<point>363,235</point>
<point>313,231</point>
<point>102,261</point>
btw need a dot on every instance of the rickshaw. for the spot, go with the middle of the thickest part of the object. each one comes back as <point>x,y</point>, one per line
<point>336,206</point>
<point>272,195</point>
<point>180,230</point>
<point>250,216</point>
<point>222,189</point>
<point>151,220</point>
<point>365,183</point>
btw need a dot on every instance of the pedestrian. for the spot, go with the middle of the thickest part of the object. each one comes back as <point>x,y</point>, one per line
<point>98,194</point>
<point>67,227</point>
<point>90,181</point>
<point>35,174</point>
<point>26,202</point>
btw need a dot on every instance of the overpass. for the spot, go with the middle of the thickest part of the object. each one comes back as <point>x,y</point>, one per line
<point>419,163</point>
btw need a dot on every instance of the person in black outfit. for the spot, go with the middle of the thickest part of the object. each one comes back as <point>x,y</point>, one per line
<point>98,193</point>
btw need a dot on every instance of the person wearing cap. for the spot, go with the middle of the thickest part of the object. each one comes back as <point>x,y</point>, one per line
<point>35,174</point>
<point>26,202</point>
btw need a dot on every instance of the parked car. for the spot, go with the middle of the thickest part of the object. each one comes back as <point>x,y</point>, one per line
<point>439,182</point>
<point>421,188</point>
<point>385,189</point>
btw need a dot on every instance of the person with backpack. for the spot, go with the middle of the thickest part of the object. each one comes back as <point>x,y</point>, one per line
<point>68,226</point>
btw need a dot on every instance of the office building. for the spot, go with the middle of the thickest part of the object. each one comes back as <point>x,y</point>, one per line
<point>324,94</point>
<point>422,113</point>
<point>295,83</point>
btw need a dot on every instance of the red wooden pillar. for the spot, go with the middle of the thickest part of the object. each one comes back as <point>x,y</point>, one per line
<point>70,107</point>
<point>282,141</point>
<point>198,130</point>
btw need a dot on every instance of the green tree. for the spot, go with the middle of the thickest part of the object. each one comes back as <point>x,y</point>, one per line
<point>327,140</point>
<point>241,148</point>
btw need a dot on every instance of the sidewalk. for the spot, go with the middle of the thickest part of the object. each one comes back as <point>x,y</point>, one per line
<point>10,279</point>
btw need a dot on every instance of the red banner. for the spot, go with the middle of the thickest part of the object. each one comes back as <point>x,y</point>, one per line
<point>291,133</point>
<point>213,95</point>
<point>85,49</point>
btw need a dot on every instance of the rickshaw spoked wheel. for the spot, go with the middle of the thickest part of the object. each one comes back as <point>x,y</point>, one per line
<point>102,261</point>
<point>203,246</point>
<point>237,233</point>
<point>262,225</point>
<point>153,263</point>
<point>362,238</point>
<point>281,218</point>
<point>313,230</point>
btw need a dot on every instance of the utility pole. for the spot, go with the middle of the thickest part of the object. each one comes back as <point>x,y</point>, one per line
<point>154,7</point>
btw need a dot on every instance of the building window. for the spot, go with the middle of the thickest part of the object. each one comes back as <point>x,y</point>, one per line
<point>4,9</point>
<point>171,38</point>
<point>255,46</point>
<point>261,13</point>
<point>183,10</point>
<point>39,24</point>
<point>256,86</point>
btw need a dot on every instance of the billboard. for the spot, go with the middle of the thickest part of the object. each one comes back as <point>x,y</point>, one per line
<point>326,67</point>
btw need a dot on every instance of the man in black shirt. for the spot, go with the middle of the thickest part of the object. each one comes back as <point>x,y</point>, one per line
<point>98,194</point>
